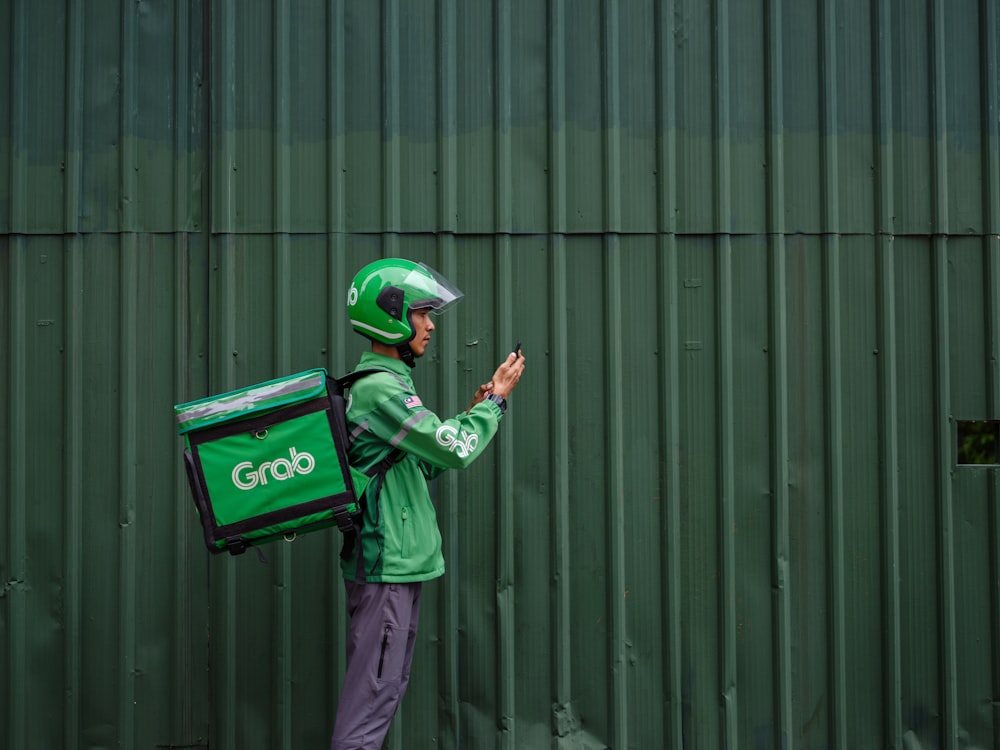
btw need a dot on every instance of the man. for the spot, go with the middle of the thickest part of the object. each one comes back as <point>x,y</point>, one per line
<point>398,544</point>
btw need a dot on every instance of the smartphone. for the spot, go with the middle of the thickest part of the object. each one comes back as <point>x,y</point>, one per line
<point>517,349</point>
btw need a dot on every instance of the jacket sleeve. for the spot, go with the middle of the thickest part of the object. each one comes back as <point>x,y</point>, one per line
<point>398,417</point>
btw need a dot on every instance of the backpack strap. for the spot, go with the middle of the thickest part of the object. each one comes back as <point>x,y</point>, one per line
<point>346,381</point>
<point>377,471</point>
<point>394,456</point>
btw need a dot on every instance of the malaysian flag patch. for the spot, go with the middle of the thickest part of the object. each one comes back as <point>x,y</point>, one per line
<point>412,402</point>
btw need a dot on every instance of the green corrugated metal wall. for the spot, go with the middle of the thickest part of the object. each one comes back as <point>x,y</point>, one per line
<point>751,247</point>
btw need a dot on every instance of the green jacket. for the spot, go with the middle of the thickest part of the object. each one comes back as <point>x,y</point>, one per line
<point>400,540</point>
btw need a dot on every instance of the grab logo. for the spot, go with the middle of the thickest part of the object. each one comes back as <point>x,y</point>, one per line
<point>464,445</point>
<point>352,296</point>
<point>246,477</point>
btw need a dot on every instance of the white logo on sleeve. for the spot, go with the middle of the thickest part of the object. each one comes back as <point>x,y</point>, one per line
<point>246,477</point>
<point>464,445</point>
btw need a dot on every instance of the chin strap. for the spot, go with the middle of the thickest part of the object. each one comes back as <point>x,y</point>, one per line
<point>406,354</point>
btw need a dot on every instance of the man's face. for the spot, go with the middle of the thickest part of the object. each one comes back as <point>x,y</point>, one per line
<point>422,325</point>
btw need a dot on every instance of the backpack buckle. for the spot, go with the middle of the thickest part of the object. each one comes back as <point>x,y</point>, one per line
<point>346,517</point>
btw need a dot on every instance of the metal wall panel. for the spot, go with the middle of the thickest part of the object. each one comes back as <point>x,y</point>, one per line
<point>100,624</point>
<point>751,248</point>
<point>101,117</point>
<point>526,117</point>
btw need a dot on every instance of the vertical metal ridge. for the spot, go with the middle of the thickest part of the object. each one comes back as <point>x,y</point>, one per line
<point>729,689</point>
<point>778,354</point>
<point>562,609</point>
<point>506,566</point>
<point>129,67</point>
<point>618,647</point>
<point>666,118</point>
<point>183,612</point>
<point>989,20</point>
<point>281,574</point>
<point>224,711</point>
<point>128,483</point>
<point>281,195</point>
<point>392,180</point>
<point>775,119</point>
<point>450,658</point>
<point>222,160</point>
<point>557,117</point>
<point>992,252</point>
<point>73,156</point>
<point>946,527</point>
<point>17,588</point>
<point>18,127</point>
<point>830,191</point>
<point>882,52</point>
<point>225,310</point>
<point>835,493</point>
<point>993,491</point>
<point>722,166</point>
<point>828,118</point>
<point>75,437</point>
<point>502,82</point>
<point>336,126</point>
<point>74,406</point>
<point>888,417</point>
<point>183,217</point>
<point>780,481</point>
<point>282,135</point>
<point>889,481</point>
<point>727,494</point>
<point>612,120</point>
<point>338,281</point>
<point>224,379</point>
<point>670,348</point>
<point>939,117</point>
<point>448,116</point>
<point>942,358</point>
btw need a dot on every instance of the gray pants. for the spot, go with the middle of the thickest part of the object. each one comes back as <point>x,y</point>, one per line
<point>380,643</point>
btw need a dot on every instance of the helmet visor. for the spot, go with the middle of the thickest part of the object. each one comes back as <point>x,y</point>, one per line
<point>430,290</point>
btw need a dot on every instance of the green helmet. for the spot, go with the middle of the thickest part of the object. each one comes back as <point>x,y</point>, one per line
<point>384,292</point>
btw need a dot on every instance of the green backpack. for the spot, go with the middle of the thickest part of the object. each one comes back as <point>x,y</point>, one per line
<point>270,461</point>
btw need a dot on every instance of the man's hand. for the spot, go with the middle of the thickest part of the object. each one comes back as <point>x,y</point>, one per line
<point>507,374</point>
<point>482,392</point>
<point>504,379</point>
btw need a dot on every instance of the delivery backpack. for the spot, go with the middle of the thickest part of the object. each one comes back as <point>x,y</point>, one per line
<point>270,461</point>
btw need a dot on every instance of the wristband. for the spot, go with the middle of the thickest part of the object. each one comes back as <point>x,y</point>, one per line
<point>499,401</point>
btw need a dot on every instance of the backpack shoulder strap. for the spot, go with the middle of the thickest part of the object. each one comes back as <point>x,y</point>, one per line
<point>344,382</point>
<point>378,470</point>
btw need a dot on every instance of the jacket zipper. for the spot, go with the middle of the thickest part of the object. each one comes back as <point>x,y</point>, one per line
<point>405,534</point>
<point>385,643</point>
